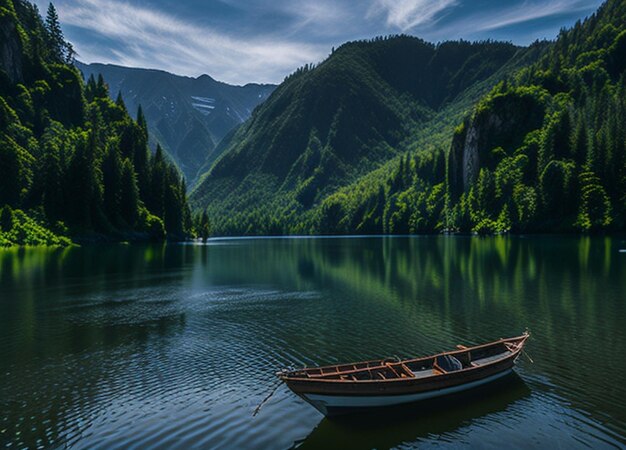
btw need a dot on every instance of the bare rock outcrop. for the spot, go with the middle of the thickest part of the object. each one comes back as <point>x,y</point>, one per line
<point>10,49</point>
<point>502,123</point>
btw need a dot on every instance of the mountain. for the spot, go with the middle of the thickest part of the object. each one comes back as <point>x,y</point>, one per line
<point>546,151</point>
<point>73,162</point>
<point>401,136</point>
<point>187,116</point>
<point>543,151</point>
<point>328,125</point>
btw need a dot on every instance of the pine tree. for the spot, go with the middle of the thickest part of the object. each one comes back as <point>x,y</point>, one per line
<point>141,120</point>
<point>120,101</point>
<point>141,156</point>
<point>70,54</point>
<point>156,200</point>
<point>90,89</point>
<point>129,194</point>
<point>205,228</point>
<point>173,203</point>
<point>112,182</point>
<point>54,39</point>
<point>102,90</point>
<point>184,207</point>
<point>80,185</point>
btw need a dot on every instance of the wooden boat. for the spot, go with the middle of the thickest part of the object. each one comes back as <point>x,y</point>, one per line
<point>388,382</point>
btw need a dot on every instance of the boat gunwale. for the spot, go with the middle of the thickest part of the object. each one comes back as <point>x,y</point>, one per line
<point>521,339</point>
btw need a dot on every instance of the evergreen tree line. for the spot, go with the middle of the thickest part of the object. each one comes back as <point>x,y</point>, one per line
<point>71,158</point>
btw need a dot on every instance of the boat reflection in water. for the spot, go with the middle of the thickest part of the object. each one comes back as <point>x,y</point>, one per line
<point>441,419</point>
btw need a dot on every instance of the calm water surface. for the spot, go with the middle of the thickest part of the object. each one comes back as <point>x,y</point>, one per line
<point>174,346</point>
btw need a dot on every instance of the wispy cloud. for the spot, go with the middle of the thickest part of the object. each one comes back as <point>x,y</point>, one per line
<point>407,14</point>
<point>239,41</point>
<point>521,22</point>
<point>321,17</point>
<point>149,38</point>
<point>531,10</point>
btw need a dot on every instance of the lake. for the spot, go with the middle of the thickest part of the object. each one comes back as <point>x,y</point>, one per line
<point>174,346</point>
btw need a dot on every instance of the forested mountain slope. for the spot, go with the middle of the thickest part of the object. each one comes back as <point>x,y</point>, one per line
<point>187,116</point>
<point>542,149</point>
<point>73,162</point>
<point>328,125</point>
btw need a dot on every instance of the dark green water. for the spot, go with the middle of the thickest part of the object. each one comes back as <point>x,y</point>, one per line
<point>174,346</point>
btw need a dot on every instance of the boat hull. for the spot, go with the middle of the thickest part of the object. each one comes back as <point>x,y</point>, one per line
<point>380,383</point>
<point>333,405</point>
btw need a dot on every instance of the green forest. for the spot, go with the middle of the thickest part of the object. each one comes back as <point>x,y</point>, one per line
<point>396,135</point>
<point>74,165</point>
<point>392,135</point>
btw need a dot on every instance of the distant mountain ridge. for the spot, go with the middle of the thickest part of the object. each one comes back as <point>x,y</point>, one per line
<point>187,116</point>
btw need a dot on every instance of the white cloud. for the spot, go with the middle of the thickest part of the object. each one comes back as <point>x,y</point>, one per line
<point>149,38</point>
<point>407,14</point>
<point>263,41</point>
<point>528,11</point>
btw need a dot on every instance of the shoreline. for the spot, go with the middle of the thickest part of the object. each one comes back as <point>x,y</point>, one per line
<point>107,240</point>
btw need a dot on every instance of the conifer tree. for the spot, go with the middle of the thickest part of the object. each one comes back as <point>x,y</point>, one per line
<point>141,120</point>
<point>120,101</point>
<point>55,39</point>
<point>173,212</point>
<point>81,184</point>
<point>204,230</point>
<point>70,53</point>
<point>156,200</point>
<point>112,184</point>
<point>129,194</point>
<point>102,90</point>
<point>90,89</point>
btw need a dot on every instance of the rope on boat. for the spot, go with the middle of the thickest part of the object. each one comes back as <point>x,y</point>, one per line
<point>266,399</point>
<point>527,332</point>
<point>528,356</point>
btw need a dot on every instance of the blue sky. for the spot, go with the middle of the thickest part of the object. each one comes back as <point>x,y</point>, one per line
<point>241,41</point>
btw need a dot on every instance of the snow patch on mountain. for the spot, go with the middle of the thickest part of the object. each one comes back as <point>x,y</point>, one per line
<point>204,105</point>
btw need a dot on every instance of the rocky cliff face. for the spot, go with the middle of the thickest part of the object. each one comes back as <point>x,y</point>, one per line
<point>10,49</point>
<point>502,123</point>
